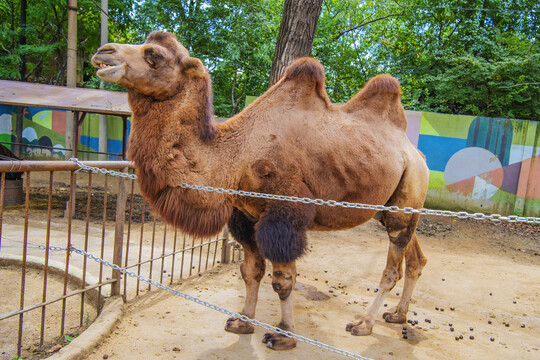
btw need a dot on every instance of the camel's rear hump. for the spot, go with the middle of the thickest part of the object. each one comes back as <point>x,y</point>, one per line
<point>381,95</point>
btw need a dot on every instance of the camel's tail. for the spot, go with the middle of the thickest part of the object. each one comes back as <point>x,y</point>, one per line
<point>381,95</point>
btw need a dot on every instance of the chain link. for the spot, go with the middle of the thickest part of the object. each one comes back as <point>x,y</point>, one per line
<point>345,204</point>
<point>218,308</point>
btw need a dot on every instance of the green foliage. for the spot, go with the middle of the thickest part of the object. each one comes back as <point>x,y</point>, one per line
<point>68,339</point>
<point>478,57</point>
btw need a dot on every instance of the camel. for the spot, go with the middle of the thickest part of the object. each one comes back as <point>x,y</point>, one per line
<point>291,141</point>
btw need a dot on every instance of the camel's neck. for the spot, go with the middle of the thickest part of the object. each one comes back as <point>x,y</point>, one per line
<point>169,144</point>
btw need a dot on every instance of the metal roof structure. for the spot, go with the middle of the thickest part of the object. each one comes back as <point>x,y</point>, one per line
<point>64,98</point>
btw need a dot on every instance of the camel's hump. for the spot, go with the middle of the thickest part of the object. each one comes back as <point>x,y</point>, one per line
<point>380,84</point>
<point>305,68</point>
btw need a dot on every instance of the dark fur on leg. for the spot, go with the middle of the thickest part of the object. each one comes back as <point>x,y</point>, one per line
<point>242,229</point>
<point>281,232</point>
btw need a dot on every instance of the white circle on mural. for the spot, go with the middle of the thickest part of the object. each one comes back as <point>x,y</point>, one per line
<point>474,169</point>
<point>29,134</point>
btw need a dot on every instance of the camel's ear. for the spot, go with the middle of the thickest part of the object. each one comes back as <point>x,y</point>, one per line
<point>192,66</point>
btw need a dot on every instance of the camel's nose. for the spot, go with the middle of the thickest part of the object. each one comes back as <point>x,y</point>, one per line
<point>106,49</point>
<point>276,286</point>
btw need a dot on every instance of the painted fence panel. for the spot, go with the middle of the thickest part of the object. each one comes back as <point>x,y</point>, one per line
<point>46,127</point>
<point>479,164</point>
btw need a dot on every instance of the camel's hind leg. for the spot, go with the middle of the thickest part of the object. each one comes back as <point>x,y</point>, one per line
<point>414,263</point>
<point>401,228</point>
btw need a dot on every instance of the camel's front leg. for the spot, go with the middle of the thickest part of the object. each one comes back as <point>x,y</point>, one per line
<point>283,281</point>
<point>252,269</point>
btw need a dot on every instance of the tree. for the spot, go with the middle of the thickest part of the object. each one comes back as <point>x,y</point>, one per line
<point>296,33</point>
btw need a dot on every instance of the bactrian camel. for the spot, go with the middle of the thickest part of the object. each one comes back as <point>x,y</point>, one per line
<point>290,141</point>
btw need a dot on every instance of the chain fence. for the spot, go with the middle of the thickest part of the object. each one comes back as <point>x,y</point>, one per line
<point>218,308</point>
<point>320,202</point>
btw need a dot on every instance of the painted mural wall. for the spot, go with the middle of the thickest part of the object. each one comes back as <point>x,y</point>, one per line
<point>476,164</point>
<point>46,127</point>
<point>479,164</point>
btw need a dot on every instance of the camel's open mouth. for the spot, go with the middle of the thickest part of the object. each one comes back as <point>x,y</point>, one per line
<point>109,72</point>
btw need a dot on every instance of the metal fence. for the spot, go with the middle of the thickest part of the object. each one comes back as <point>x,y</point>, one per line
<point>48,296</point>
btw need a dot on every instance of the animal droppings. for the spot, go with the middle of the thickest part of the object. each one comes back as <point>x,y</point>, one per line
<point>471,337</point>
<point>376,290</point>
<point>404,332</point>
<point>490,294</point>
<point>457,338</point>
<point>452,329</point>
<point>428,321</point>
<point>442,309</point>
<point>471,328</point>
<point>515,302</point>
<point>461,337</point>
<point>507,325</point>
<point>522,325</point>
<point>404,328</point>
<point>437,308</point>
<point>405,337</point>
<point>452,308</point>
<point>489,322</point>
<point>491,339</point>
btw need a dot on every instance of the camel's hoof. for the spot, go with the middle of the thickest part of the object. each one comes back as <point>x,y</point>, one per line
<point>395,318</point>
<point>360,328</point>
<point>238,326</point>
<point>276,341</point>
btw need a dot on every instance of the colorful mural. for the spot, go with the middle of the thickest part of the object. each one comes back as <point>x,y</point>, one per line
<point>479,164</point>
<point>47,128</point>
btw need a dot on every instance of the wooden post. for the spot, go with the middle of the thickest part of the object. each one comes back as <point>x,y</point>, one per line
<point>226,247</point>
<point>121,198</point>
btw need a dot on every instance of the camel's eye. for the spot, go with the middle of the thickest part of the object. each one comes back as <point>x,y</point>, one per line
<point>152,57</point>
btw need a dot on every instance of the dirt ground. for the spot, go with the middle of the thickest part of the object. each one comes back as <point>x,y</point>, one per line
<point>481,282</point>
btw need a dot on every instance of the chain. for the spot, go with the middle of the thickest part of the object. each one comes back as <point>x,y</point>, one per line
<point>345,204</point>
<point>218,308</point>
<point>33,246</point>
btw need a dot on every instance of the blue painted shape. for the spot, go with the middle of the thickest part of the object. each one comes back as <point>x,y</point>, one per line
<point>114,146</point>
<point>494,135</point>
<point>91,142</point>
<point>439,149</point>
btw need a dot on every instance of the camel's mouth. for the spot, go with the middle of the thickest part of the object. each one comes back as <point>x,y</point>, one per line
<point>110,72</point>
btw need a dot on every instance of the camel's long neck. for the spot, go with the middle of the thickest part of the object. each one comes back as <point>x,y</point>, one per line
<point>168,142</point>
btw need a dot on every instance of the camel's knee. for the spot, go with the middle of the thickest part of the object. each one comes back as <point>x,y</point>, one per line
<point>283,279</point>
<point>254,271</point>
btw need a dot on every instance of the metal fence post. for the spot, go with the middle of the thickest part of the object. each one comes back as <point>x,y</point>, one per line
<point>119,233</point>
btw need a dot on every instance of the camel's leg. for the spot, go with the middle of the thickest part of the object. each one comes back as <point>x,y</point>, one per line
<point>392,273</point>
<point>415,262</point>
<point>283,281</point>
<point>252,269</point>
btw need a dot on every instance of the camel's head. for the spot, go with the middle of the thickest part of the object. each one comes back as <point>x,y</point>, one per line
<point>153,68</point>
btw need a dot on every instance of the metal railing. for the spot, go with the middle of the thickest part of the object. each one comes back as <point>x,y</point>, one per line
<point>59,294</point>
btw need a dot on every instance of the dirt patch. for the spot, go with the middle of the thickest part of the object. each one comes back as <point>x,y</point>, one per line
<point>10,281</point>
<point>481,283</point>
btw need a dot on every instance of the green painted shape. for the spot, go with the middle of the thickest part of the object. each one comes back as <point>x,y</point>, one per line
<point>43,118</point>
<point>436,179</point>
<point>56,138</point>
<point>454,126</point>
<point>6,138</point>
<point>90,127</point>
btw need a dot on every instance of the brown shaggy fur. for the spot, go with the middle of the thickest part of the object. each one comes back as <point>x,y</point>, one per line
<point>290,141</point>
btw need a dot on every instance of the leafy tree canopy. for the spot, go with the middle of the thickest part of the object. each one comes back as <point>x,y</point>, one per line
<point>478,57</point>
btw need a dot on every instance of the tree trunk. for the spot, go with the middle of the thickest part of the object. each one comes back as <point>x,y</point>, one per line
<point>296,32</point>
